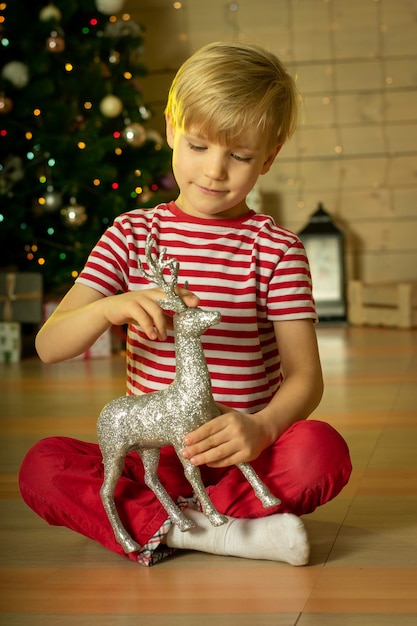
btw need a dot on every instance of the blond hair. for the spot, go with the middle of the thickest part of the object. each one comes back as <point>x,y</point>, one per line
<point>225,88</point>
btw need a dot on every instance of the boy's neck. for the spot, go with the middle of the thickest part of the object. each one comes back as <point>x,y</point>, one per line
<point>230,214</point>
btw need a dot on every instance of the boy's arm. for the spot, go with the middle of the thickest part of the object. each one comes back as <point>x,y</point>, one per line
<point>73,327</point>
<point>302,389</point>
<point>234,437</point>
<point>84,314</point>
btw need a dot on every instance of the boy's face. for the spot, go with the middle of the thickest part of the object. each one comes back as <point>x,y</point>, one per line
<point>213,179</point>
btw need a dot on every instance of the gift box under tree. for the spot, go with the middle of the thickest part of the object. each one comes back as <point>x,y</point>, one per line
<point>21,297</point>
<point>20,303</point>
<point>10,342</point>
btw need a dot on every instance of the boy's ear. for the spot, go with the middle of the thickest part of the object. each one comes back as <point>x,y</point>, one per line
<point>170,132</point>
<point>271,158</point>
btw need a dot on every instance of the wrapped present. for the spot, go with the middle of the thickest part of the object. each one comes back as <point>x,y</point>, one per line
<point>21,297</point>
<point>10,342</point>
<point>102,347</point>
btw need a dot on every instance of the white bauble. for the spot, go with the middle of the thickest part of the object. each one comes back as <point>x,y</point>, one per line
<point>109,6</point>
<point>111,106</point>
<point>50,12</point>
<point>52,200</point>
<point>74,214</point>
<point>134,134</point>
<point>17,73</point>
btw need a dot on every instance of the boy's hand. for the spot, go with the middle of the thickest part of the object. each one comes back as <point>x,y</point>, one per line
<point>230,438</point>
<point>141,308</point>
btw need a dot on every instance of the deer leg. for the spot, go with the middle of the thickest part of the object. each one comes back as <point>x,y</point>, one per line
<point>113,468</point>
<point>193,476</point>
<point>260,489</point>
<point>150,460</point>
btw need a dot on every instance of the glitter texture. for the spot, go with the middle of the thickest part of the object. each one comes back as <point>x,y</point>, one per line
<point>145,423</point>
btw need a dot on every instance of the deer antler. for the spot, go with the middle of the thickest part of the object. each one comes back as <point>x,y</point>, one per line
<point>156,274</point>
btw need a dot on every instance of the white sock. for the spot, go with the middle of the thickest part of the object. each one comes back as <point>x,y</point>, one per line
<point>280,537</point>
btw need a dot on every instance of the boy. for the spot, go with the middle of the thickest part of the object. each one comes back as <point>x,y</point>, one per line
<point>230,109</point>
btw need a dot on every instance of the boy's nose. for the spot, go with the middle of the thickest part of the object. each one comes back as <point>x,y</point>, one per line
<point>215,168</point>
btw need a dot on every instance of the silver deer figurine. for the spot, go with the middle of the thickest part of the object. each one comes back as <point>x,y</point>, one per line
<point>146,423</point>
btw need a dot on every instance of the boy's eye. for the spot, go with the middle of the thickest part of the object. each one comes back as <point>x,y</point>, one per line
<point>197,148</point>
<point>200,148</point>
<point>241,159</point>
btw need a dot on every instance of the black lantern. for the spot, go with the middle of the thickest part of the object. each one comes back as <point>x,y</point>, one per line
<point>324,244</point>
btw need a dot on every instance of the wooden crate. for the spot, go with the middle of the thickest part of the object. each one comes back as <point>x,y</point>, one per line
<point>392,304</point>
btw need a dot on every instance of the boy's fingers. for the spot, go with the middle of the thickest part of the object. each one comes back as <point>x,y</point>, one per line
<point>191,297</point>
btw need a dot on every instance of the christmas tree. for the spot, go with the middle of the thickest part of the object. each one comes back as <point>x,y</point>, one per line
<point>77,144</point>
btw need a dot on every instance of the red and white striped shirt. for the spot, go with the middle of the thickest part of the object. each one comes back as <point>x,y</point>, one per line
<point>250,269</point>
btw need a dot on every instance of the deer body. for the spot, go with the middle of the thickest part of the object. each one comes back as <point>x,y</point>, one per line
<point>146,423</point>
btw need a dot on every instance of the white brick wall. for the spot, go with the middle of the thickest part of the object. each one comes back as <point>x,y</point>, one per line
<point>356,66</point>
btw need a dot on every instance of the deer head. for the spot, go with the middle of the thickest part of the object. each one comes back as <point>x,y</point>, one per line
<point>193,321</point>
<point>157,265</point>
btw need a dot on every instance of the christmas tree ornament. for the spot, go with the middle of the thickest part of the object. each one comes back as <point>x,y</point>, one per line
<point>108,7</point>
<point>111,106</point>
<point>134,134</point>
<point>17,73</point>
<point>6,104</point>
<point>114,57</point>
<point>11,171</point>
<point>55,42</point>
<point>74,214</point>
<point>52,199</point>
<point>123,28</point>
<point>145,423</point>
<point>50,13</point>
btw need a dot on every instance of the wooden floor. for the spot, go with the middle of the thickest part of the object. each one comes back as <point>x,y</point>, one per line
<point>363,569</point>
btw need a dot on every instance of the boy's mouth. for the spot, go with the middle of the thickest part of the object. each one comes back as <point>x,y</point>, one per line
<point>211,192</point>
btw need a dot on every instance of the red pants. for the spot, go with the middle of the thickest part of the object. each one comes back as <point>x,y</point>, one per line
<point>60,480</point>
